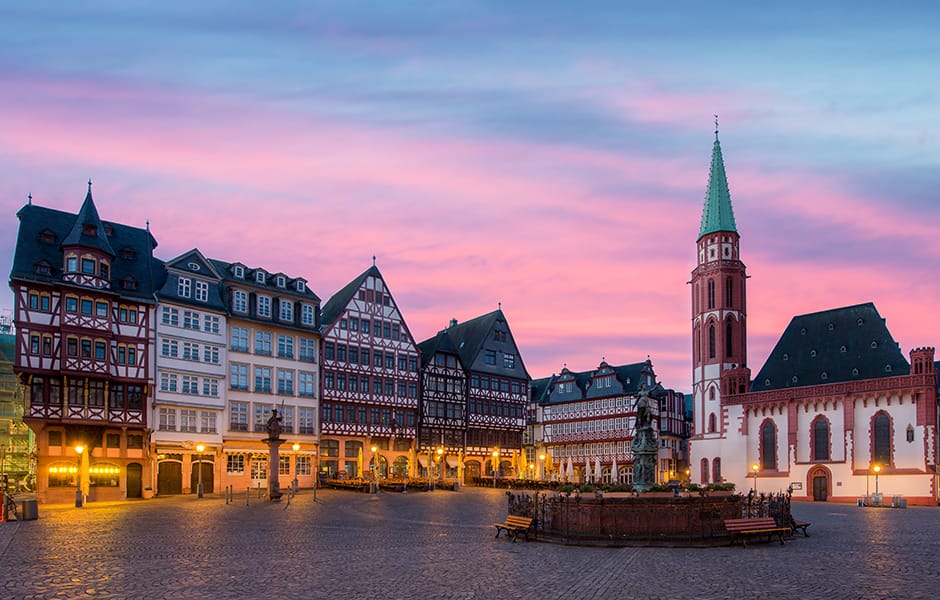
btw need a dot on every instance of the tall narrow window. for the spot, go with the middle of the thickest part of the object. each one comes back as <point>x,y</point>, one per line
<point>729,297</point>
<point>704,468</point>
<point>711,423</point>
<point>716,470</point>
<point>881,425</point>
<point>711,293</point>
<point>821,439</point>
<point>728,331</point>
<point>768,447</point>
<point>711,341</point>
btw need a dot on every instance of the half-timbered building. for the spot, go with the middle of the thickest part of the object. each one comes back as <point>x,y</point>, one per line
<point>191,359</point>
<point>835,406</point>
<point>497,395</point>
<point>370,382</point>
<point>442,418</point>
<point>273,362</point>
<point>84,317</point>
<point>588,418</point>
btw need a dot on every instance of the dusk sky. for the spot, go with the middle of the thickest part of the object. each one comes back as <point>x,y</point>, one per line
<point>551,156</point>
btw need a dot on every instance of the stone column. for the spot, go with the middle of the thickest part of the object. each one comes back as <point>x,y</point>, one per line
<point>274,484</point>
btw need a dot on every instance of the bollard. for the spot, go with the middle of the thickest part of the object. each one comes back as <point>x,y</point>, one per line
<point>247,494</point>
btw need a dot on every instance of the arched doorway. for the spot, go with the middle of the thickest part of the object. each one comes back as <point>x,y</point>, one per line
<point>471,471</point>
<point>170,477</point>
<point>134,480</point>
<point>400,467</point>
<point>208,474</point>
<point>819,480</point>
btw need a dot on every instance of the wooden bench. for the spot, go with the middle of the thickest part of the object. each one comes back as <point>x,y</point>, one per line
<point>742,528</point>
<point>513,526</point>
<point>801,525</point>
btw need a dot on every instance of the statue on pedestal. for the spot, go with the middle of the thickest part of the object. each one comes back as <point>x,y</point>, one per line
<point>274,442</point>
<point>644,444</point>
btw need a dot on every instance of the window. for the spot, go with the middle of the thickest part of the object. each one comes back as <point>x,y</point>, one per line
<point>302,465</point>
<point>396,331</point>
<point>285,346</point>
<point>71,304</point>
<point>729,288</point>
<point>308,350</point>
<point>71,264</point>
<point>711,423</point>
<point>210,387</point>
<point>210,354</point>
<point>262,414</point>
<point>711,341</point>
<point>305,420</point>
<point>238,416</point>
<point>202,291</point>
<point>307,315</point>
<point>190,351</point>
<point>329,448</point>
<point>187,419</point>
<point>377,328</point>
<point>191,385</point>
<point>101,350</point>
<point>239,271</point>
<point>239,301</point>
<point>881,429</point>
<point>260,277</point>
<point>711,293</point>
<point>238,376</point>
<point>386,329</point>
<point>341,352</point>
<point>283,465</point>
<point>87,306</point>
<point>910,433</point>
<point>240,339</point>
<point>190,320</point>
<point>135,442</point>
<point>287,310</point>
<point>364,325</point>
<point>285,382</point>
<point>171,316</point>
<point>263,379</point>
<point>300,285</point>
<point>768,449</point>
<point>489,357</point>
<point>305,384</point>
<point>264,307</point>
<point>728,331</point>
<point>184,287</point>
<point>34,344</point>
<point>167,419</point>
<point>716,470</point>
<point>821,439</point>
<point>328,380</point>
<point>207,421</point>
<point>263,342</point>
<point>168,382</point>
<point>509,360</point>
<point>235,463</point>
<point>88,266</point>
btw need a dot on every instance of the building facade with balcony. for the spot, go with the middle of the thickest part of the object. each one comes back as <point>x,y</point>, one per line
<point>370,383</point>
<point>84,316</point>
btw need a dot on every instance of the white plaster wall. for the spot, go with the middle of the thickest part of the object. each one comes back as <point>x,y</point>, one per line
<point>805,417</point>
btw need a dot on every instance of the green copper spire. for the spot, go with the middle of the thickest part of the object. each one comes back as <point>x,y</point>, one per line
<point>718,214</point>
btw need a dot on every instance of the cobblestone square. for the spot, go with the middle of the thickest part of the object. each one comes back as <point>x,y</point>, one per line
<point>438,545</point>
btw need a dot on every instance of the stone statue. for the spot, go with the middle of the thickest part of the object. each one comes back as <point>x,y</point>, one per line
<point>274,425</point>
<point>644,445</point>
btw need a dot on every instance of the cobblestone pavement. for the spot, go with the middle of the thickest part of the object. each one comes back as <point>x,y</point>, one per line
<point>438,545</point>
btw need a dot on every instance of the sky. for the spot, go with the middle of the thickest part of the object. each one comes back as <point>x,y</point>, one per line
<point>548,157</point>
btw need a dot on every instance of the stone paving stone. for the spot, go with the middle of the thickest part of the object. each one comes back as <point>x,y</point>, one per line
<point>438,545</point>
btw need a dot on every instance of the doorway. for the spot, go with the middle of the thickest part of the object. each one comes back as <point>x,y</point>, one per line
<point>208,473</point>
<point>170,478</point>
<point>134,480</point>
<point>819,478</point>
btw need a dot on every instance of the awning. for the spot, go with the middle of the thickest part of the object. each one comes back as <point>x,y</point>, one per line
<point>423,462</point>
<point>452,462</point>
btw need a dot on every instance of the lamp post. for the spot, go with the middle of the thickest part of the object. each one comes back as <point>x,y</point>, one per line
<point>200,449</point>
<point>877,469</point>
<point>755,467</point>
<point>295,448</point>
<point>375,469</point>
<point>440,464</point>
<point>688,476</point>
<point>79,500</point>
<point>495,465</point>
<point>541,467</point>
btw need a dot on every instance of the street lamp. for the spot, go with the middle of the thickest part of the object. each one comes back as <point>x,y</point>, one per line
<point>375,468</point>
<point>79,500</point>
<point>440,464</point>
<point>495,465</point>
<point>877,469</point>
<point>688,476</point>
<point>541,467</point>
<point>755,467</point>
<point>199,448</point>
<point>295,447</point>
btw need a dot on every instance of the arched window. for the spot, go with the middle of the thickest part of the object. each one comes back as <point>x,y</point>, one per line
<point>821,438</point>
<point>881,439</point>
<point>728,331</point>
<point>716,470</point>
<point>768,446</point>
<point>729,288</point>
<point>696,342</point>
<point>711,293</point>
<point>711,341</point>
<point>711,393</point>
<point>704,469</point>
<point>711,423</point>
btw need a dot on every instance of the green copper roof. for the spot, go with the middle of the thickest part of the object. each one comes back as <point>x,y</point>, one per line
<point>718,215</point>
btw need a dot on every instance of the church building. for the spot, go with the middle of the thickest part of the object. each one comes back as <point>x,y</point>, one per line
<point>836,413</point>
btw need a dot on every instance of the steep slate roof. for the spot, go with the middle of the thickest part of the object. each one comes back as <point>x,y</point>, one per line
<point>470,335</point>
<point>88,215</point>
<point>630,376</point>
<point>224,269</point>
<point>439,343</point>
<point>338,301</point>
<point>850,344</point>
<point>539,389</point>
<point>30,249</point>
<point>717,214</point>
<point>169,288</point>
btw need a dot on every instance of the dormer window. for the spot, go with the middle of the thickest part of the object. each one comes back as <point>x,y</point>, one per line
<point>824,376</point>
<point>831,326</point>
<point>193,266</point>
<point>184,287</point>
<point>259,277</point>
<point>90,229</point>
<point>767,383</point>
<point>43,268</point>
<point>854,372</point>
<point>301,286</point>
<point>874,344</point>
<point>786,357</point>
<point>239,271</point>
<point>281,281</point>
<point>88,266</point>
<point>129,283</point>
<point>842,350</point>
<point>127,253</point>
<point>860,322</point>
<point>887,368</point>
<point>108,230</point>
<point>812,353</point>
<point>47,236</point>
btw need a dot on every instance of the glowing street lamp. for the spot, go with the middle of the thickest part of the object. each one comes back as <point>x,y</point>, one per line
<point>375,468</point>
<point>79,500</point>
<point>440,463</point>
<point>755,467</point>
<point>199,448</point>
<point>541,466</point>
<point>495,465</point>
<point>295,448</point>
<point>877,469</point>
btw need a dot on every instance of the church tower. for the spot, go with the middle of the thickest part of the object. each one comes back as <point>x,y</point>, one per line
<point>719,324</point>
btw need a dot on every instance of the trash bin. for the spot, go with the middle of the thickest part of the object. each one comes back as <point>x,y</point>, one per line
<point>28,510</point>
